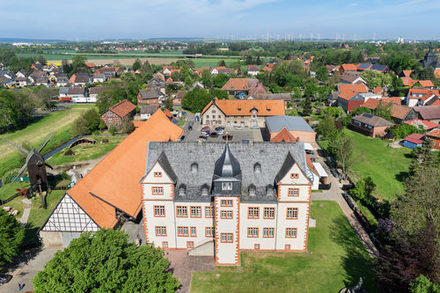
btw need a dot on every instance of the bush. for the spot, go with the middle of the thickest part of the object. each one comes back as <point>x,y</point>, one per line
<point>127,125</point>
<point>11,237</point>
<point>112,130</point>
<point>423,285</point>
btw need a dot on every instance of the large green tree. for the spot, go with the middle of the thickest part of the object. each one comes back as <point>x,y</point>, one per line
<point>196,99</point>
<point>105,261</point>
<point>11,237</point>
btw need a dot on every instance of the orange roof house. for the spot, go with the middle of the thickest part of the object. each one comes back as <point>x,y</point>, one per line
<point>283,136</point>
<point>244,107</point>
<point>426,83</point>
<point>116,113</point>
<point>112,187</point>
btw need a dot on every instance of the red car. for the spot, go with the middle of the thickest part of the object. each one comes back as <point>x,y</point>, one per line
<point>205,128</point>
<point>65,99</point>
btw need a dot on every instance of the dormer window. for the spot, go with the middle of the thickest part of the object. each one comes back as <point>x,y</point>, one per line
<point>269,191</point>
<point>205,190</point>
<point>182,190</point>
<point>227,186</point>
<point>257,168</point>
<point>252,190</point>
<point>194,168</point>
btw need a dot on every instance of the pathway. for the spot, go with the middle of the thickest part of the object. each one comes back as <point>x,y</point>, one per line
<point>27,210</point>
<point>335,194</point>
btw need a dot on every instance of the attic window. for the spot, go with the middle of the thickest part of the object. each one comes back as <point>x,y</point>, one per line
<point>205,190</point>
<point>227,186</point>
<point>239,109</point>
<point>269,191</point>
<point>194,167</point>
<point>182,191</point>
<point>257,168</point>
<point>268,109</point>
<point>252,190</point>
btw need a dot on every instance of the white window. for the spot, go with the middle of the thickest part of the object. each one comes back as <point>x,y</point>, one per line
<point>253,213</point>
<point>227,186</point>
<point>182,211</point>
<point>209,232</point>
<point>157,190</point>
<point>226,215</point>
<point>290,232</point>
<point>268,232</point>
<point>196,212</point>
<point>292,213</point>
<point>193,232</point>
<point>161,231</point>
<point>182,231</point>
<point>159,211</point>
<point>209,212</point>
<point>226,237</point>
<point>269,213</point>
<point>252,232</point>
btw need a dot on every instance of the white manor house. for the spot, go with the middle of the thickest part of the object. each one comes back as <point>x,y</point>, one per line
<point>219,199</point>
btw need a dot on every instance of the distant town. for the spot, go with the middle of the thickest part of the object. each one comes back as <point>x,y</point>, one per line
<point>213,166</point>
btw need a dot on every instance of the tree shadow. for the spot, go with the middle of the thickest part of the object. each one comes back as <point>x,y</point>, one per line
<point>30,247</point>
<point>402,176</point>
<point>356,262</point>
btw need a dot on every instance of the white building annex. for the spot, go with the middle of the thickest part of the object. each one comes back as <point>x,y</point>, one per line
<point>216,199</point>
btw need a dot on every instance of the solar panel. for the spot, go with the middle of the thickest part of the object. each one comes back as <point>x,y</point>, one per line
<point>378,67</point>
<point>368,115</point>
<point>364,65</point>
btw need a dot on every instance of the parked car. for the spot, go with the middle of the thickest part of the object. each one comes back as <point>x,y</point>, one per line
<point>204,134</point>
<point>239,127</point>
<point>220,130</point>
<point>5,278</point>
<point>205,128</point>
<point>214,134</point>
<point>208,132</point>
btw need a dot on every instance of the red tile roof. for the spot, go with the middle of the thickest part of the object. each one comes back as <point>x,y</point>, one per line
<point>123,108</point>
<point>284,136</point>
<point>426,83</point>
<point>415,138</point>
<point>434,133</point>
<point>425,123</point>
<point>349,67</point>
<point>347,91</point>
<point>378,90</point>
<point>244,107</point>
<point>114,181</point>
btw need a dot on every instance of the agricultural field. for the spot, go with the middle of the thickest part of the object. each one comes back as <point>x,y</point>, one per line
<point>83,152</point>
<point>59,123</point>
<point>387,166</point>
<point>336,258</point>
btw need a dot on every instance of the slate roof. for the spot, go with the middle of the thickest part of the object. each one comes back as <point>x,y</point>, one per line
<point>277,96</point>
<point>350,76</point>
<point>148,109</point>
<point>291,123</point>
<point>150,93</point>
<point>372,120</point>
<point>271,157</point>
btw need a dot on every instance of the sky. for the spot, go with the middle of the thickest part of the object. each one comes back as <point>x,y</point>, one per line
<point>222,19</point>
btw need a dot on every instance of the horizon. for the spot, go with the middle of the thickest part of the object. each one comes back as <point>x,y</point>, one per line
<point>100,20</point>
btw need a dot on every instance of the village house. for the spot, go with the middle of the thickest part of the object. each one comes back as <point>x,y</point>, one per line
<point>347,98</point>
<point>352,77</point>
<point>99,77</point>
<point>94,92</point>
<point>80,79</point>
<point>116,113</point>
<point>110,194</point>
<point>421,97</point>
<point>399,113</point>
<point>253,70</point>
<point>78,94</point>
<point>241,113</point>
<point>151,96</point>
<point>62,80</point>
<point>218,200</point>
<point>146,111</point>
<point>286,97</point>
<point>434,135</point>
<point>245,87</point>
<point>370,125</point>
<point>413,140</point>
<point>177,99</point>
<point>424,124</point>
<point>429,113</point>
<point>296,126</point>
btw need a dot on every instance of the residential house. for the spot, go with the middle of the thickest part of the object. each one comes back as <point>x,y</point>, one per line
<point>218,200</point>
<point>63,94</point>
<point>380,68</point>
<point>434,135</point>
<point>364,66</point>
<point>296,126</point>
<point>21,81</point>
<point>370,125</point>
<point>41,81</point>
<point>146,111</point>
<point>99,77</point>
<point>426,125</point>
<point>399,113</point>
<point>347,67</point>
<point>94,92</point>
<point>413,140</point>
<point>429,113</point>
<point>245,86</point>
<point>78,94</point>
<point>177,100</point>
<point>62,79</point>
<point>253,70</point>
<point>110,193</point>
<point>244,113</point>
<point>80,79</point>
<point>116,113</point>
<point>421,96</point>
<point>346,96</point>
<point>352,77</point>
<point>286,97</point>
<point>150,96</point>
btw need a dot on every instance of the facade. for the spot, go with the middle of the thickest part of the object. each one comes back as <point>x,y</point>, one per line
<point>296,126</point>
<point>244,86</point>
<point>370,125</point>
<point>115,114</point>
<point>93,93</point>
<point>217,200</point>
<point>243,113</point>
<point>77,94</point>
<point>150,96</point>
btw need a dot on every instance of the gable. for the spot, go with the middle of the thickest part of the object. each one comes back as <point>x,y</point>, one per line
<point>150,177</point>
<point>68,216</point>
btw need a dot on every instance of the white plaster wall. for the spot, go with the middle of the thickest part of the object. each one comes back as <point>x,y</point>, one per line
<point>227,253</point>
<point>298,243</point>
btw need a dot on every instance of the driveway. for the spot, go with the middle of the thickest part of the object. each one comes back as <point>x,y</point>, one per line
<point>27,270</point>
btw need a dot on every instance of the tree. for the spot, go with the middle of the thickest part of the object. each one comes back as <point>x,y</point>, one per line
<point>126,125</point>
<point>78,64</point>
<point>221,63</point>
<point>168,103</point>
<point>220,94</point>
<point>41,60</point>
<point>423,285</point>
<point>407,258</point>
<point>220,80</point>
<point>104,261</point>
<point>322,74</point>
<point>363,190</point>
<point>196,99</point>
<point>384,110</point>
<point>360,110</point>
<point>11,237</point>
<point>206,78</point>
<point>80,126</point>
<point>307,107</point>
<point>93,120</point>
<point>403,130</point>
<point>420,203</point>
<point>326,127</point>
<point>137,64</point>
<point>341,147</point>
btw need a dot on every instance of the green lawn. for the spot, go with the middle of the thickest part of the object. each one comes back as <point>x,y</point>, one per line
<point>387,166</point>
<point>8,190</point>
<point>59,123</point>
<point>336,258</point>
<point>85,152</point>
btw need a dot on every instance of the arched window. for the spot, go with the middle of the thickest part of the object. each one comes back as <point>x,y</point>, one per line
<point>194,167</point>
<point>257,168</point>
